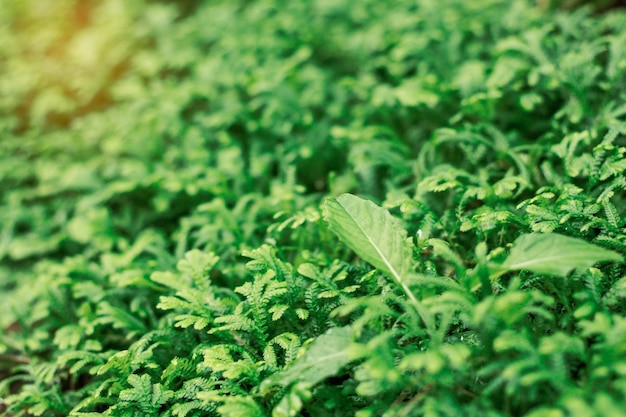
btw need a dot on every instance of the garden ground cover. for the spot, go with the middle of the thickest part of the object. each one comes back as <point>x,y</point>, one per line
<point>315,208</point>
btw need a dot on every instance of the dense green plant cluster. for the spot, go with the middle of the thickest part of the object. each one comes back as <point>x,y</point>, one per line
<point>181,233</point>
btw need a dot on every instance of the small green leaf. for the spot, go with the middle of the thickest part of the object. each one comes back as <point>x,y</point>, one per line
<point>373,234</point>
<point>554,254</point>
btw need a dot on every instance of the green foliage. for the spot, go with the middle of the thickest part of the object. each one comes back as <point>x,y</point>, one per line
<point>554,254</point>
<point>324,358</point>
<point>406,208</point>
<point>370,231</point>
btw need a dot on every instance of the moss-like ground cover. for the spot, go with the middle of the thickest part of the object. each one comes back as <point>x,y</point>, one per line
<point>312,208</point>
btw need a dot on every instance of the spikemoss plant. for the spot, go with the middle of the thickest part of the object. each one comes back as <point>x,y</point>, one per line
<point>312,208</point>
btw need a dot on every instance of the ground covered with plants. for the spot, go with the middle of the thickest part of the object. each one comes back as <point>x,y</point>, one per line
<point>312,208</point>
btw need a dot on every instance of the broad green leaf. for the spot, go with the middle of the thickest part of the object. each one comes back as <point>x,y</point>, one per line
<point>554,254</point>
<point>372,233</point>
<point>324,358</point>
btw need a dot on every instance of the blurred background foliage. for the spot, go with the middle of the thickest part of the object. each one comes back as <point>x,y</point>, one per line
<point>119,117</point>
<point>200,121</point>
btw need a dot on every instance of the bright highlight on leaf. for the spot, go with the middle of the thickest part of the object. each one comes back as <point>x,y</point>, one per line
<point>373,234</point>
<point>554,254</point>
